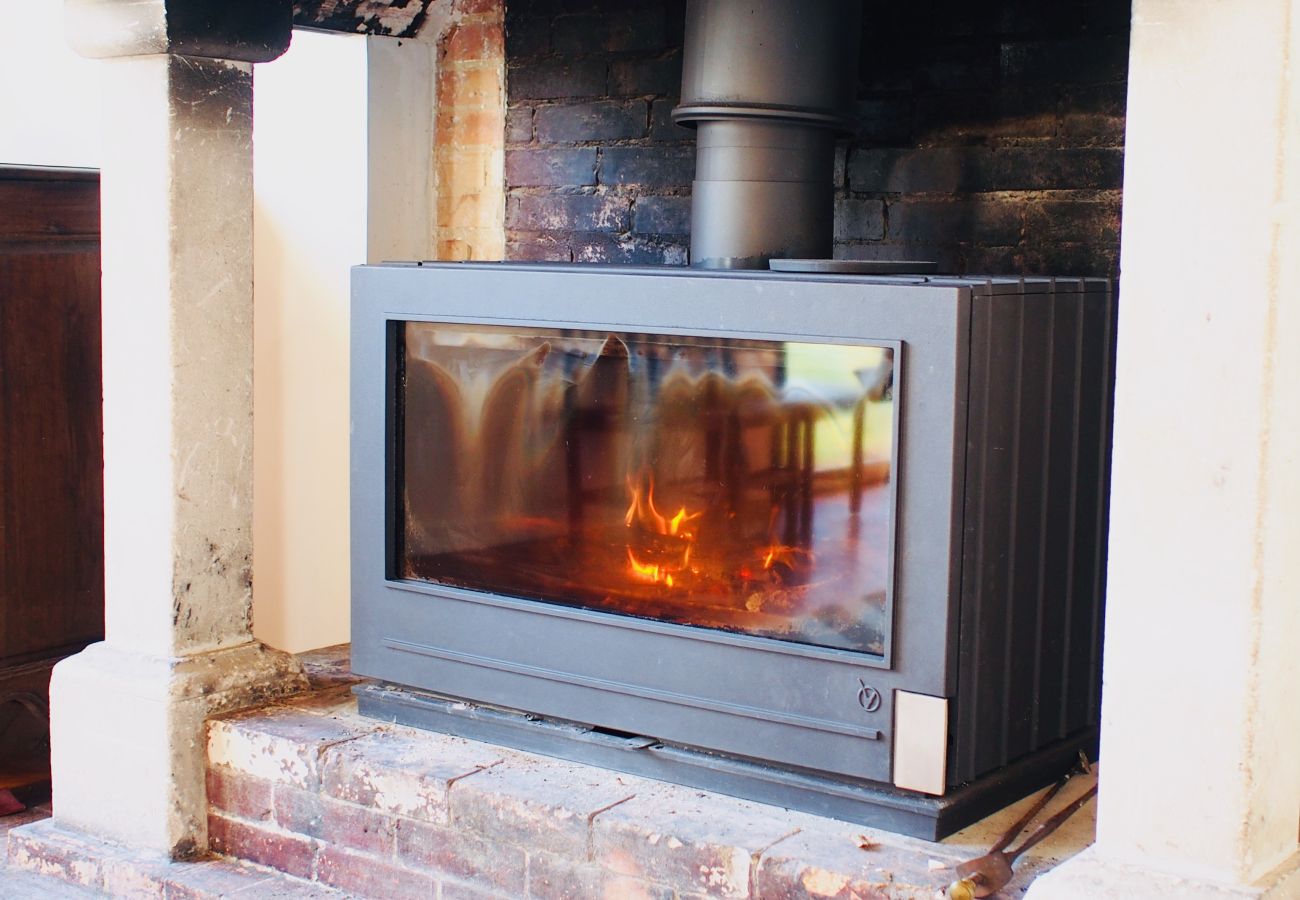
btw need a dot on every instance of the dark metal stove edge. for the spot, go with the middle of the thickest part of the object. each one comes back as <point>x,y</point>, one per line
<point>865,803</point>
<point>1065,361</point>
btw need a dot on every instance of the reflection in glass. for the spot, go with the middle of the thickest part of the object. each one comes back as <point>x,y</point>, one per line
<point>733,484</point>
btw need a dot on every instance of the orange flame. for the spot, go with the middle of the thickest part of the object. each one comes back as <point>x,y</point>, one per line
<point>641,511</point>
<point>780,553</point>
<point>648,571</point>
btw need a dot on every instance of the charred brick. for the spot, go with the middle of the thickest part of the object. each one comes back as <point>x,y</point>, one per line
<point>884,120</point>
<point>600,120</point>
<point>639,27</point>
<point>567,212</point>
<point>1076,60</point>
<point>635,250</point>
<point>639,77</point>
<point>527,35</point>
<point>994,223</point>
<point>858,219</point>
<point>550,80</point>
<point>974,169</point>
<point>651,167</point>
<point>662,126</point>
<point>551,168</point>
<point>662,215</point>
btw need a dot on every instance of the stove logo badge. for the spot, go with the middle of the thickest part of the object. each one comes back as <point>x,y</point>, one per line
<point>868,697</point>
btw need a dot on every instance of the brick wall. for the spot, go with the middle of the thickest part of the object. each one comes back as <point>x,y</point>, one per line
<point>990,134</point>
<point>595,171</point>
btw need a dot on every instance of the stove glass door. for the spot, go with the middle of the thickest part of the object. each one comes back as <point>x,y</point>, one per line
<point>740,485</point>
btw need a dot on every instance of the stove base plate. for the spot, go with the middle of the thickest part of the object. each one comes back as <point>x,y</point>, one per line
<point>862,802</point>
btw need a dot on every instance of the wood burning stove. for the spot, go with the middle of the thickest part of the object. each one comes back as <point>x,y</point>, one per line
<point>830,542</point>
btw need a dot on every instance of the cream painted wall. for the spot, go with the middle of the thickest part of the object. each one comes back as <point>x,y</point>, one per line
<point>50,103</point>
<point>309,140</point>
<point>342,148</point>
<point>1200,731</point>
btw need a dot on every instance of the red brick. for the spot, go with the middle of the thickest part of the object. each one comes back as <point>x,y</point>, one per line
<point>297,810</point>
<point>457,249</point>
<point>538,807</point>
<point>826,861</point>
<point>133,878</point>
<point>240,795</point>
<point>46,849</point>
<point>393,774</point>
<point>370,876</point>
<point>288,853</point>
<point>477,41</point>
<point>460,855</point>
<point>332,821</point>
<point>456,890</point>
<point>214,878</point>
<point>471,128</point>
<point>279,744</point>
<point>469,86</point>
<point>356,828</point>
<point>692,842</point>
<point>552,877</point>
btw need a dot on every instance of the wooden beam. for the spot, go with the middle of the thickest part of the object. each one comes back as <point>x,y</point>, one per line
<point>397,18</point>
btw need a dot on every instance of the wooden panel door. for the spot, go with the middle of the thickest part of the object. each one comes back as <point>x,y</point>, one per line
<point>51,445</point>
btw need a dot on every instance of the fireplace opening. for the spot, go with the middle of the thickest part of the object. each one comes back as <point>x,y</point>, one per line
<point>732,484</point>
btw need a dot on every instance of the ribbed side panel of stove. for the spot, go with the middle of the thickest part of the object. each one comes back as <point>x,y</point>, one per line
<point>1034,526</point>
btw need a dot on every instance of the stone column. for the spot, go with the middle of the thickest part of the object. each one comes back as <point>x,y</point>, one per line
<point>128,714</point>
<point>1200,749</point>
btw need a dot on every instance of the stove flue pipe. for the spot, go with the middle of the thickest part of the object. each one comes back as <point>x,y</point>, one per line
<point>768,85</point>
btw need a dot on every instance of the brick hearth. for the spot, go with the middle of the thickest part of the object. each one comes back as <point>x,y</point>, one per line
<point>350,806</point>
<point>313,789</point>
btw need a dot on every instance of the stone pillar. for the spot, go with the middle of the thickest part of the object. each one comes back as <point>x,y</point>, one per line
<point>128,714</point>
<point>1200,749</point>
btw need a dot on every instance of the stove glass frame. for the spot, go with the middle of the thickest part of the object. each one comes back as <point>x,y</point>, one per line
<point>796,705</point>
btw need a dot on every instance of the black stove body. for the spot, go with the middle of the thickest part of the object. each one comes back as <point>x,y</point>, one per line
<point>828,542</point>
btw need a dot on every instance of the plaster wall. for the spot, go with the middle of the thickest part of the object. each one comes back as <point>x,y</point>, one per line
<point>309,227</point>
<point>50,98</point>
<point>1201,726</point>
<point>341,176</point>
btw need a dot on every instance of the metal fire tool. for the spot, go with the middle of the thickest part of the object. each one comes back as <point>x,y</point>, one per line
<point>987,874</point>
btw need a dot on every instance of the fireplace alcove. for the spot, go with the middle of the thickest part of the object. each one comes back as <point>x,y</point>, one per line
<point>831,543</point>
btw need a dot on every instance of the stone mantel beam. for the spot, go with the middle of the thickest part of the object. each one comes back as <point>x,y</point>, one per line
<point>240,30</point>
<point>394,18</point>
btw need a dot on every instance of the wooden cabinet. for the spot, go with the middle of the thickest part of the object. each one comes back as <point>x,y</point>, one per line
<point>51,443</point>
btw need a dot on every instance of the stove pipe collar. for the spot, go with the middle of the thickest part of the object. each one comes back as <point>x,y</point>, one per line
<point>768,85</point>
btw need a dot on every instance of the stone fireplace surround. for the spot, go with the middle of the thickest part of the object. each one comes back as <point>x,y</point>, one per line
<point>1203,552</point>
